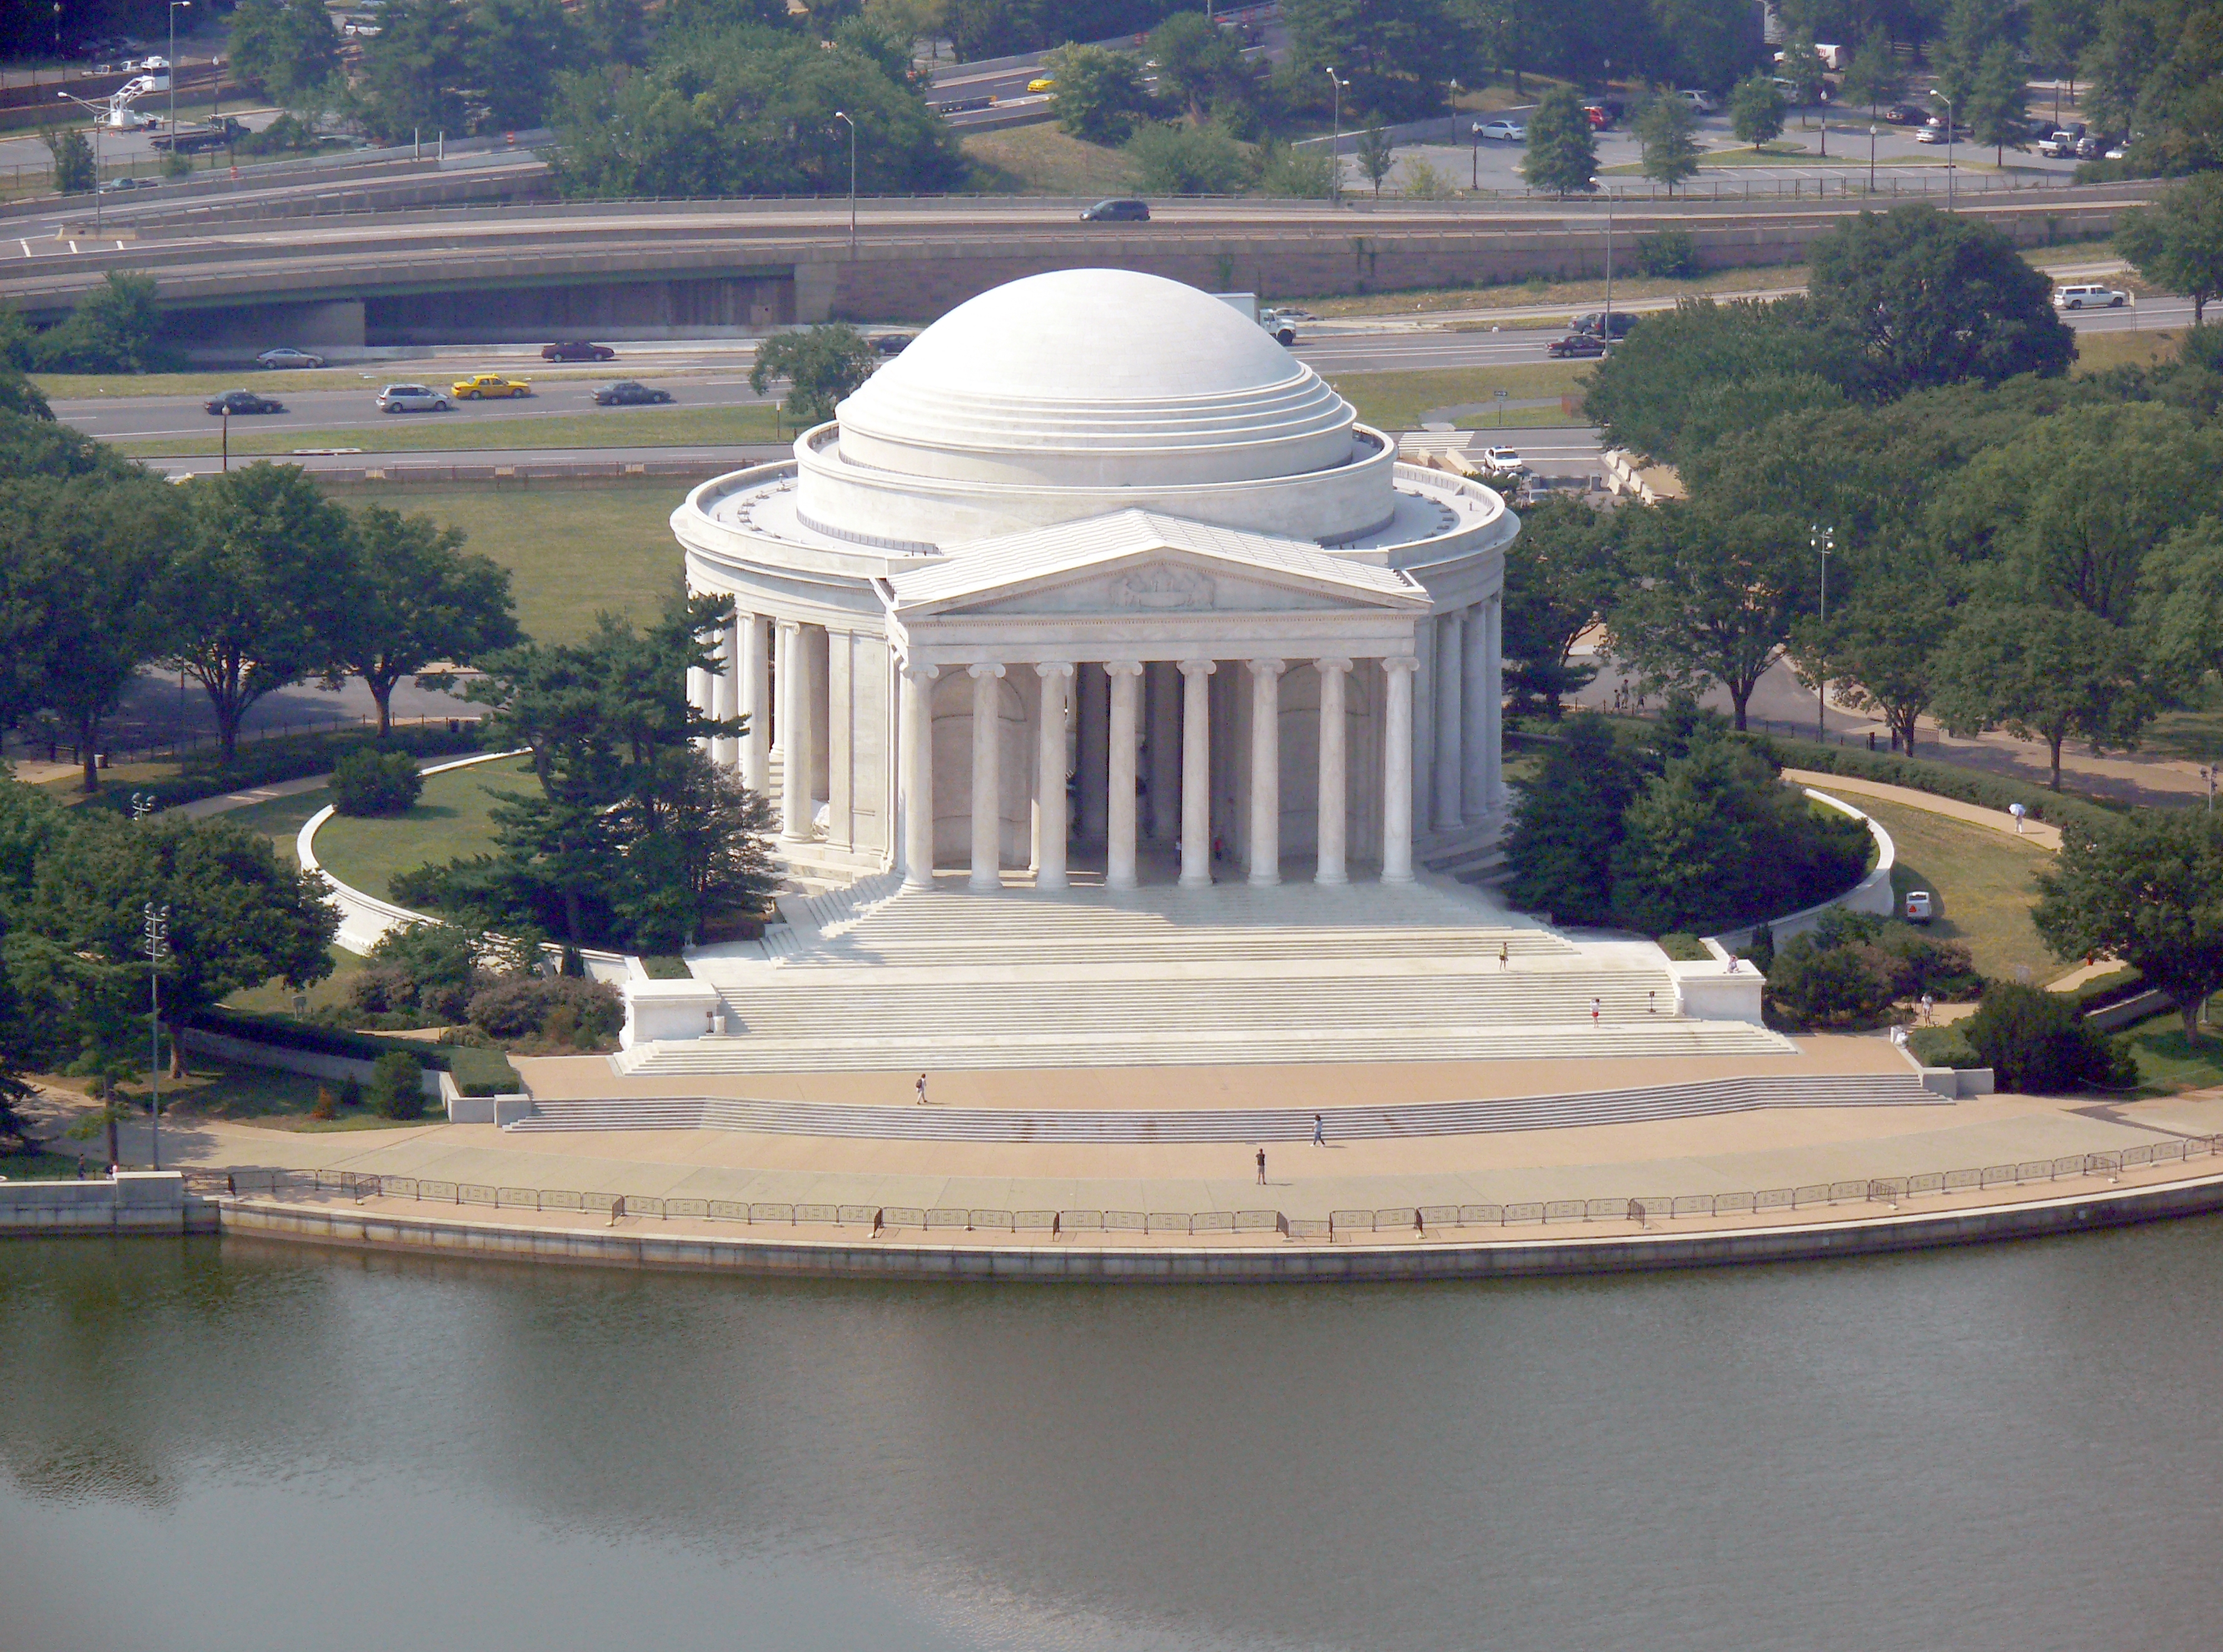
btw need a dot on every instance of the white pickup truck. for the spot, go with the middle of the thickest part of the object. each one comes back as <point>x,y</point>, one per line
<point>1283,328</point>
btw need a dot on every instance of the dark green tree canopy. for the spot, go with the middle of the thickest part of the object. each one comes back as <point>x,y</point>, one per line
<point>2150,892</point>
<point>420,600</point>
<point>1562,154</point>
<point>820,366</point>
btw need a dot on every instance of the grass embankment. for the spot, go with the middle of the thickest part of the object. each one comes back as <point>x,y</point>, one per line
<point>452,817</point>
<point>1395,401</point>
<point>627,427</point>
<point>2098,352</point>
<point>1044,160</point>
<point>217,1090</point>
<point>1984,883</point>
<point>2168,1061</point>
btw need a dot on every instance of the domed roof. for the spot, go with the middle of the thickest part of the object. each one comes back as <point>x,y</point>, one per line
<point>1096,378</point>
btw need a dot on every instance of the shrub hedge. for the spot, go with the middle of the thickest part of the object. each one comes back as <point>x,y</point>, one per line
<point>264,762</point>
<point>1945,780</point>
<point>476,1071</point>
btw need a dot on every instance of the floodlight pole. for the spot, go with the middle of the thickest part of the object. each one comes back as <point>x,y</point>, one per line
<point>852,125</point>
<point>1335,184</point>
<point>1824,540</point>
<point>174,5</point>
<point>96,113</point>
<point>157,932</point>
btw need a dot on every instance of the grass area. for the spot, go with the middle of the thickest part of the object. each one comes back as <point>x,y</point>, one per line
<point>44,1167</point>
<point>1984,883</point>
<point>451,817</point>
<point>624,427</point>
<point>1043,159</point>
<point>272,998</point>
<point>570,554</point>
<point>2167,1061</point>
<point>1395,401</point>
<point>227,1090</point>
<point>281,818</point>
<point>2097,352</point>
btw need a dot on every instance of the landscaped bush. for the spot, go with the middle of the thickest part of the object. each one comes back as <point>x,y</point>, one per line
<point>1943,1046</point>
<point>1944,780</point>
<point>397,1086</point>
<point>1853,966</point>
<point>424,972</point>
<point>2033,1041</point>
<point>567,1010</point>
<point>368,781</point>
<point>483,1073</point>
<point>264,762</point>
<point>1670,254</point>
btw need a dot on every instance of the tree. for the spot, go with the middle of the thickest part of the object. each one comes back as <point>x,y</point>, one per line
<point>415,70</point>
<point>1884,649</point>
<point>74,170</point>
<point>1560,575</point>
<point>80,561</point>
<point>1996,104</point>
<point>2147,890</point>
<point>419,600</point>
<point>1569,823</point>
<point>1422,180</point>
<point>1756,110</point>
<point>2180,611</point>
<point>1972,27</point>
<point>1199,66</point>
<point>115,328</point>
<point>516,50</point>
<point>1098,92</point>
<point>1874,76</point>
<point>259,588</point>
<point>1298,174</point>
<point>821,366</point>
<point>1377,151</point>
<point>1928,298</point>
<point>1802,67</point>
<point>1189,160</point>
<point>284,48</point>
<point>1562,145</point>
<point>1667,130</point>
<point>1398,59</point>
<point>2043,673</point>
<point>2177,242</point>
<point>2033,1041</point>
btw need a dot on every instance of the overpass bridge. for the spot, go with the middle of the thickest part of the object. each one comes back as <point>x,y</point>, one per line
<point>370,261</point>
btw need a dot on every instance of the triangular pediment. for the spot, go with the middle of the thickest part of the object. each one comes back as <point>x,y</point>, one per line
<point>1138,563</point>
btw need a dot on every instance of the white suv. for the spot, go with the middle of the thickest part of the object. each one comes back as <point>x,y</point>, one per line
<point>2089,298</point>
<point>410,398</point>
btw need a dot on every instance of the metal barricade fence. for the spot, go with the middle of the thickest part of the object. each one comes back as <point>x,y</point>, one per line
<point>1409,1222</point>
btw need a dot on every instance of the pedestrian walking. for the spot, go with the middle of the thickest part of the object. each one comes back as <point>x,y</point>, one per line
<point>1597,1008</point>
<point>1320,1132</point>
<point>1262,1167</point>
<point>1928,1005</point>
<point>921,1090</point>
<point>1504,955</point>
<point>2019,812</point>
<point>1652,1002</point>
<point>80,1167</point>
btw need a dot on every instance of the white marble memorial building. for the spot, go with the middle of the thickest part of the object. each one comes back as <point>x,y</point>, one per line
<point>1095,573</point>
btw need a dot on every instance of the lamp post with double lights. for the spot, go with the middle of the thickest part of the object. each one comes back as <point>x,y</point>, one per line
<point>1824,540</point>
<point>98,115</point>
<point>156,931</point>
<point>843,118</point>
<point>1335,186</point>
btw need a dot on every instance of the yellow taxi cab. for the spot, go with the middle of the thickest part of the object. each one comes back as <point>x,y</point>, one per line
<point>1046,83</point>
<point>485,386</point>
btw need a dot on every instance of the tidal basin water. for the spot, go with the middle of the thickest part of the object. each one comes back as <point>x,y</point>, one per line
<point>239,1446</point>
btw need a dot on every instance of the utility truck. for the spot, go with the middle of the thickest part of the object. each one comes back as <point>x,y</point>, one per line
<point>1283,327</point>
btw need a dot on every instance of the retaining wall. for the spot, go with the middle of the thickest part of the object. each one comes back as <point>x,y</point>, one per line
<point>130,1201</point>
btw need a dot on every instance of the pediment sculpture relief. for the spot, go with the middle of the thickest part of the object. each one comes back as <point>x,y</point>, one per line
<point>1163,586</point>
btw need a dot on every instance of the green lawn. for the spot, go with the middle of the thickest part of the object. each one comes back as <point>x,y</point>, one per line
<point>1395,401</point>
<point>618,427</point>
<point>1045,160</point>
<point>2097,352</point>
<point>281,818</point>
<point>451,819</point>
<point>221,1090</point>
<point>2166,1062</point>
<point>572,553</point>
<point>1983,880</point>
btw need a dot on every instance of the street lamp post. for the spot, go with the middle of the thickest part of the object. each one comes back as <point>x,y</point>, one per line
<point>95,112</point>
<point>174,5</point>
<point>1335,189</point>
<point>1872,138</point>
<point>1952,138</point>
<point>157,932</point>
<point>852,125</point>
<point>1824,540</point>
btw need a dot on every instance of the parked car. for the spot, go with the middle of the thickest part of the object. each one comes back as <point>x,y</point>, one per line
<point>579,350</point>
<point>114,184</point>
<point>1576,344</point>
<point>628,394</point>
<point>412,399</point>
<point>2057,146</point>
<point>1605,112</point>
<point>1121,212</point>
<point>892,343</point>
<point>1701,101</point>
<point>2089,298</point>
<point>287,357</point>
<point>1595,321</point>
<point>1501,131</point>
<point>1504,462</point>
<point>2090,148</point>
<point>244,401</point>
<point>1919,908</point>
<point>489,386</point>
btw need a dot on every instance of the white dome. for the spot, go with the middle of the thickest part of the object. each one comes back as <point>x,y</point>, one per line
<point>1096,378</point>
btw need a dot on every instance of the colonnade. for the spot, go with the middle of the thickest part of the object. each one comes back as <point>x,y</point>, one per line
<point>1120,755</point>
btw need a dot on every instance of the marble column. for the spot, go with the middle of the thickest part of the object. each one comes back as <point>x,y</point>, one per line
<point>795,715</point>
<point>1493,732</point>
<point>1480,696</point>
<point>782,649</point>
<point>1196,773</point>
<point>916,732</point>
<point>1089,695</point>
<point>756,745</point>
<point>1119,792</point>
<point>1451,678</point>
<point>698,694</point>
<point>1162,707</point>
<point>1334,801</point>
<point>987,776</point>
<point>1049,778</point>
<point>725,688</point>
<point>1397,771</point>
<point>1266,771</point>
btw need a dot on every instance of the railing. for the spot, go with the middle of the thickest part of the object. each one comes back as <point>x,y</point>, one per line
<point>128,748</point>
<point>1416,1221</point>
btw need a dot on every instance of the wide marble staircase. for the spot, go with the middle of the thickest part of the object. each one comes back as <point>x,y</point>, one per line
<point>874,978</point>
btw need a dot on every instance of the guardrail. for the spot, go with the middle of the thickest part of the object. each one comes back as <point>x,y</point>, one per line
<point>1416,1221</point>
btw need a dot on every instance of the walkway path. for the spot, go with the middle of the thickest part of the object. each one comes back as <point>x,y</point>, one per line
<point>2037,831</point>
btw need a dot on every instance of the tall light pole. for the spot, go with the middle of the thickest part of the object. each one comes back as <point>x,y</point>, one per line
<point>98,116</point>
<point>1872,138</point>
<point>157,932</point>
<point>1335,189</point>
<point>1824,540</point>
<point>174,5</point>
<point>1952,137</point>
<point>852,125</point>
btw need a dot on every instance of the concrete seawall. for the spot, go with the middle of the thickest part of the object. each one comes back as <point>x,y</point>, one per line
<point>131,1201</point>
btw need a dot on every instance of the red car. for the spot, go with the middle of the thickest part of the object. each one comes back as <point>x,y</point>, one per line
<point>580,351</point>
<point>1576,344</point>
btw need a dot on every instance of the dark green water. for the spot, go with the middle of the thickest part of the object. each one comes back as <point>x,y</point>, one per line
<point>234,1447</point>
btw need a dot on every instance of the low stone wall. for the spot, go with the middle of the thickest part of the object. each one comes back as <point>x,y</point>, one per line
<point>286,1057</point>
<point>130,1201</point>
